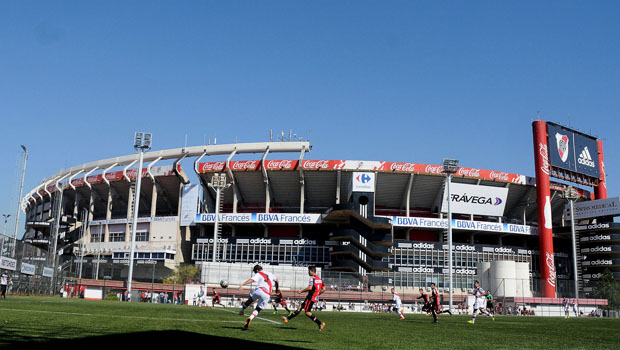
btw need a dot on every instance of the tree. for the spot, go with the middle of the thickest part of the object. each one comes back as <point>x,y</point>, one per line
<point>608,288</point>
<point>184,274</point>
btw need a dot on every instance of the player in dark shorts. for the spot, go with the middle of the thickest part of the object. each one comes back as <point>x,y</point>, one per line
<point>427,306</point>
<point>216,299</point>
<point>279,299</point>
<point>314,289</point>
<point>490,308</point>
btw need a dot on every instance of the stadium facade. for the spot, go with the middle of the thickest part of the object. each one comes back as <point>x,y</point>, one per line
<point>360,217</point>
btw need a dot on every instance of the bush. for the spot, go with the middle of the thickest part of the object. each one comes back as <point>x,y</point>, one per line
<point>111,297</point>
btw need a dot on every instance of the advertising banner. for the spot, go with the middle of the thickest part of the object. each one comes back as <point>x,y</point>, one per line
<point>363,182</point>
<point>27,269</point>
<point>573,151</point>
<point>8,263</point>
<point>189,204</point>
<point>595,208</point>
<point>432,223</point>
<point>48,272</point>
<point>266,218</point>
<point>475,199</point>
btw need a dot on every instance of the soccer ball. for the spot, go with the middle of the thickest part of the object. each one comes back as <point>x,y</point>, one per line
<point>224,284</point>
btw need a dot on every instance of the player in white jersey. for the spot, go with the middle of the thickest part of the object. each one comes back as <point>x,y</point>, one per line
<point>566,306</point>
<point>479,303</point>
<point>398,305</point>
<point>266,283</point>
<point>574,305</point>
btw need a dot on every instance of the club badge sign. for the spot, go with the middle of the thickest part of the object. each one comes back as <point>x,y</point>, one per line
<point>573,151</point>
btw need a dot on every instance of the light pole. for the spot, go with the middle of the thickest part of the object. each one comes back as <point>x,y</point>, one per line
<point>571,195</point>
<point>6,218</point>
<point>450,166</point>
<point>218,183</point>
<point>142,142</point>
<point>21,188</point>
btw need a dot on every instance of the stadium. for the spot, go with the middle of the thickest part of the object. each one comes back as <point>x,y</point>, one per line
<point>383,223</point>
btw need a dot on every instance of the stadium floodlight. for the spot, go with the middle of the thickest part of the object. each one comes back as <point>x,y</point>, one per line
<point>450,166</point>
<point>142,143</point>
<point>21,189</point>
<point>571,194</point>
<point>218,183</point>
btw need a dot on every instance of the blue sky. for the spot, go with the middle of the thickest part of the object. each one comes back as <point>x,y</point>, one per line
<point>371,80</point>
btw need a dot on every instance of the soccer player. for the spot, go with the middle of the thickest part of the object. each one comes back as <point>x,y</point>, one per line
<point>264,283</point>
<point>315,288</point>
<point>216,299</point>
<point>479,304</point>
<point>279,299</point>
<point>427,306</point>
<point>5,278</point>
<point>398,306</point>
<point>574,304</point>
<point>202,298</point>
<point>490,308</point>
<point>435,306</point>
<point>566,308</point>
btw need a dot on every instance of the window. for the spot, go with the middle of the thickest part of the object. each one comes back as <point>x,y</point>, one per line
<point>96,237</point>
<point>142,236</point>
<point>117,236</point>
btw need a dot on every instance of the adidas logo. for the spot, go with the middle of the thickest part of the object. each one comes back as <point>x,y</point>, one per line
<point>585,158</point>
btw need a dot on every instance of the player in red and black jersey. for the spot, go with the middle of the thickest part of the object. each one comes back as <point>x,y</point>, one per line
<point>279,299</point>
<point>436,303</point>
<point>427,305</point>
<point>314,289</point>
<point>216,298</point>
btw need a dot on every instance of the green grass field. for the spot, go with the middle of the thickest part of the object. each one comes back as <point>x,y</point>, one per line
<point>39,322</point>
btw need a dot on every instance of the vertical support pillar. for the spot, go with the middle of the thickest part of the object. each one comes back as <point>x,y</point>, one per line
<point>154,201</point>
<point>91,212</point>
<point>130,199</point>
<point>543,200</point>
<point>600,191</point>
<point>108,215</point>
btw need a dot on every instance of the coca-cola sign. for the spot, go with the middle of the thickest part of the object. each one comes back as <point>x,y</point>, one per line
<point>244,165</point>
<point>284,164</point>
<point>315,164</point>
<point>469,172</point>
<point>402,167</point>
<point>499,175</point>
<point>211,167</point>
<point>433,169</point>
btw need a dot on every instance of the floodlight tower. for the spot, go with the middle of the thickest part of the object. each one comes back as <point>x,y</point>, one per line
<point>218,183</point>
<point>450,166</point>
<point>142,143</point>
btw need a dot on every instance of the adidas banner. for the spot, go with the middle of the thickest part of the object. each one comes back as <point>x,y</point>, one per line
<point>572,150</point>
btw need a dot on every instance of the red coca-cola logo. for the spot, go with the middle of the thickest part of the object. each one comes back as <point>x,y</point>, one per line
<point>544,154</point>
<point>316,164</point>
<point>469,172</point>
<point>404,167</point>
<point>280,164</point>
<point>499,175</point>
<point>211,167</point>
<point>550,261</point>
<point>243,165</point>
<point>433,169</point>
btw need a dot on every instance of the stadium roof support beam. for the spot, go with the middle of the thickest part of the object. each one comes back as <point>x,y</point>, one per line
<point>338,180</point>
<point>439,196</point>
<point>268,193</point>
<point>406,202</point>
<point>233,180</point>
<point>203,184</point>
<point>302,183</point>
<point>158,188</point>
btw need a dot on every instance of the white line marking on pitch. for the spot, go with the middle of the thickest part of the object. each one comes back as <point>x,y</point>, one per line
<point>123,316</point>
<point>260,318</point>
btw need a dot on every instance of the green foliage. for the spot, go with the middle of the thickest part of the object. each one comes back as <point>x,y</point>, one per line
<point>184,274</point>
<point>608,288</point>
<point>111,297</point>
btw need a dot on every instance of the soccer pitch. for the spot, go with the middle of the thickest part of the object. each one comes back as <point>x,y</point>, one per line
<point>40,322</point>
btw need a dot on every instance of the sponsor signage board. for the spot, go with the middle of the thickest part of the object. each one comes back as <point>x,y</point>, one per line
<point>189,204</point>
<point>363,182</point>
<point>572,150</point>
<point>139,220</point>
<point>27,269</point>
<point>261,241</point>
<point>265,218</point>
<point>48,272</point>
<point>595,208</point>
<point>432,223</point>
<point>8,263</point>
<point>475,199</point>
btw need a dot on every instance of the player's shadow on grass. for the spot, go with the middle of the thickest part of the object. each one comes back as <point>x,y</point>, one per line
<point>153,339</point>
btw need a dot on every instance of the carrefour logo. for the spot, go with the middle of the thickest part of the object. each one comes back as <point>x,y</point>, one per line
<point>364,178</point>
